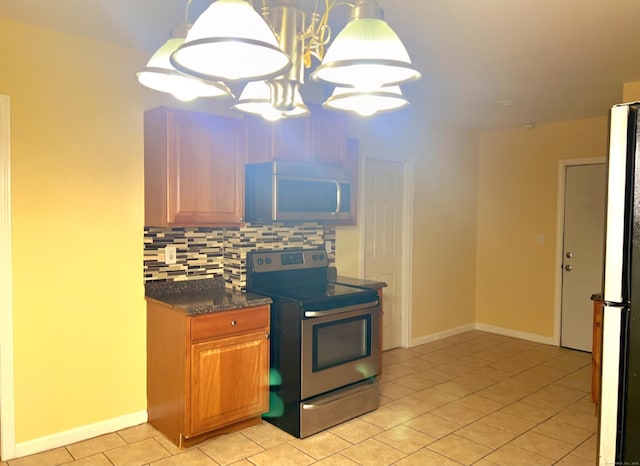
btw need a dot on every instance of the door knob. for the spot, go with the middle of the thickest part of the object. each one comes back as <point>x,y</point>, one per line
<point>568,268</point>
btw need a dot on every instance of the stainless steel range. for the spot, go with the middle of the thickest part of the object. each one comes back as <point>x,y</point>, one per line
<point>325,341</point>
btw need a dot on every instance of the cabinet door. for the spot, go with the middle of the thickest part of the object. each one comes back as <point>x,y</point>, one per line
<point>328,136</point>
<point>287,139</point>
<point>229,380</point>
<point>291,139</point>
<point>193,166</point>
<point>204,170</point>
<point>319,137</point>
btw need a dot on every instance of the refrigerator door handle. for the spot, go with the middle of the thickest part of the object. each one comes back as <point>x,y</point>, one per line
<point>616,205</point>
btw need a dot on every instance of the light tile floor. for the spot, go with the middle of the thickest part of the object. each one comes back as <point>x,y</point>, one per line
<point>473,398</point>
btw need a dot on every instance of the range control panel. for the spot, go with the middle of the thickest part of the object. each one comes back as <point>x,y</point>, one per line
<point>274,261</point>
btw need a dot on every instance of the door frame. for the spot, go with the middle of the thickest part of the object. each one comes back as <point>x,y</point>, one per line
<point>7,409</point>
<point>407,235</point>
<point>562,173</point>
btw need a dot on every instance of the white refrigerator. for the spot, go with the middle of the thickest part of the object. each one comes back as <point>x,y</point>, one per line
<point>619,423</point>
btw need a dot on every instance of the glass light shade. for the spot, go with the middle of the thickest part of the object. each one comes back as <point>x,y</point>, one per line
<point>161,76</point>
<point>229,42</point>
<point>366,54</point>
<point>366,103</point>
<point>256,100</point>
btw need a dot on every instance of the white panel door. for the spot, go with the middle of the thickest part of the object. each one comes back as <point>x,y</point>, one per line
<point>383,240</point>
<point>582,252</point>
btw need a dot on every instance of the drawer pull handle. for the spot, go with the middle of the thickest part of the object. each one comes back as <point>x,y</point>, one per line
<point>234,323</point>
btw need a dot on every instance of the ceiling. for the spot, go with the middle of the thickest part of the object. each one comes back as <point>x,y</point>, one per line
<point>486,64</point>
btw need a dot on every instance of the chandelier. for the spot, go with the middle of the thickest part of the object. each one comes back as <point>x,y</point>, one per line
<point>232,44</point>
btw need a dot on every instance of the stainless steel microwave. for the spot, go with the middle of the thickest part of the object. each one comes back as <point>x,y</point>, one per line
<point>283,190</point>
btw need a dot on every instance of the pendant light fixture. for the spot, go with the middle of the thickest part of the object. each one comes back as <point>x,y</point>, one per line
<point>160,75</point>
<point>256,100</point>
<point>232,43</point>
<point>366,103</point>
<point>366,54</point>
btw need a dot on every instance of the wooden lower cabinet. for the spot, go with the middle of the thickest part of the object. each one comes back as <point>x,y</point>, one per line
<point>227,377</point>
<point>206,374</point>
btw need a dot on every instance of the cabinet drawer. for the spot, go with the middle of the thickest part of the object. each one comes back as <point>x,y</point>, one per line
<point>229,322</point>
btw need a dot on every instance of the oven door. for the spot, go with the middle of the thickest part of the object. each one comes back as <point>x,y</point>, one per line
<point>339,347</point>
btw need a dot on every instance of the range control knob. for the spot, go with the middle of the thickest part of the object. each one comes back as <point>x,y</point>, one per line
<point>267,260</point>
<point>315,257</point>
<point>321,256</point>
<point>260,261</point>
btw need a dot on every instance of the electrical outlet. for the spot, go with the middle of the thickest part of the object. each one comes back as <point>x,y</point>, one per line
<point>170,255</point>
<point>327,246</point>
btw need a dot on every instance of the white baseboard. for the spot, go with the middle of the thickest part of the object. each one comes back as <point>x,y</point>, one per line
<point>78,434</point>
<point>440,335</point>
<point>516,334</point>
<point>485,328</point>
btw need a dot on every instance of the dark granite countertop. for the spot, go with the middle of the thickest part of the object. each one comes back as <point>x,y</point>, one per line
<point>359,282</point>
<point>202,296</point>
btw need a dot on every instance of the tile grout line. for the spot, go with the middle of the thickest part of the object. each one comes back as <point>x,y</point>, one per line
<point>553,382</point>
<point>465,346</point>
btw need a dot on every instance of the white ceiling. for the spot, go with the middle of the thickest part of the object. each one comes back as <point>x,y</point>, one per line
<point>553,59</point>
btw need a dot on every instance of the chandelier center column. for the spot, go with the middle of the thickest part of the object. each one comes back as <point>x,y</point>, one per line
<point>287,21</point>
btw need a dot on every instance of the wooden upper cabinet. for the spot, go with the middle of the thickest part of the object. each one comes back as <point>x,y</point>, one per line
<point>319,137</point>
<point>328,136</point>
<point>193,168</point>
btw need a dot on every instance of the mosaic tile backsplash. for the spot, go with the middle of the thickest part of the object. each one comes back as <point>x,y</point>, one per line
<point>222,252</point>
<point>199,253</point>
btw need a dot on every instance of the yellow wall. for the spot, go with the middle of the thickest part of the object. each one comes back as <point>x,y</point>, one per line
<point>631,91</point>
<point>444,232</point>
<point>517,202</point>
<point>348,251</point>
<point>444,208</point>
<point>77,200</point>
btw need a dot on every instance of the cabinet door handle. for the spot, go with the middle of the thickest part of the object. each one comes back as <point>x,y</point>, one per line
<point>234,323</point>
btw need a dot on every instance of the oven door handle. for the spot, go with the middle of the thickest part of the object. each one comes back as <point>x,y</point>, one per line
<point>340,310</point>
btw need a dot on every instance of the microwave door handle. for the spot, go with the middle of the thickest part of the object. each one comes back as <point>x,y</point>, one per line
<point>338,206</point>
